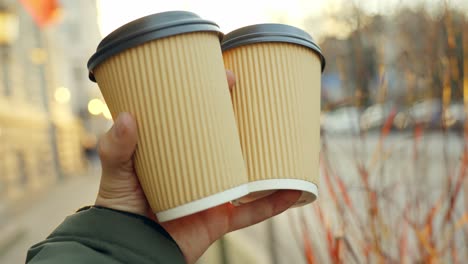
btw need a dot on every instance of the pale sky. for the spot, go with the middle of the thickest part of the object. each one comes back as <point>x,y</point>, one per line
<point>233,14</point>
<point>227,14</point>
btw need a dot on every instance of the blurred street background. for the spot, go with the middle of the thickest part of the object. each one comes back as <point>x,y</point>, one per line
<point>394,155</point>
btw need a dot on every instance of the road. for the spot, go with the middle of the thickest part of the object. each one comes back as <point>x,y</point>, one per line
<point>49,211</point>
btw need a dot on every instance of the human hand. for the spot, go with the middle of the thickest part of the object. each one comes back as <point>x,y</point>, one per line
<point>121,190</point>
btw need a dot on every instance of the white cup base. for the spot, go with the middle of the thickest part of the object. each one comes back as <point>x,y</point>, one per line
<point>203,204</point>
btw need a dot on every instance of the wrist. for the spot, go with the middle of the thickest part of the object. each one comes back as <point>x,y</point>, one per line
<point>128,204</point>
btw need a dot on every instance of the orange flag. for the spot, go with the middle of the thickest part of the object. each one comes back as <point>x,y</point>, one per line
<point>44,12</point>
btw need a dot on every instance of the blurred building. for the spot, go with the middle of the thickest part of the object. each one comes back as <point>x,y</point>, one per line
<point>43,93</point>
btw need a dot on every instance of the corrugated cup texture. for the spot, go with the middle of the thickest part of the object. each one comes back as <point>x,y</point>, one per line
<point>277,106</point>
<point>176,88</point>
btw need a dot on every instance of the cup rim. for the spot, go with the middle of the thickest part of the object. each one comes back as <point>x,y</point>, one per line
<point>148,28</point>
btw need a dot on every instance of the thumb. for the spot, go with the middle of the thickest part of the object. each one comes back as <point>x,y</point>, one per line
<point>117,146</point>
<point>120,188</point>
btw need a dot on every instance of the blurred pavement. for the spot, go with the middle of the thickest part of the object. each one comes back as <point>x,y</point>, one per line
<point>47,212</point>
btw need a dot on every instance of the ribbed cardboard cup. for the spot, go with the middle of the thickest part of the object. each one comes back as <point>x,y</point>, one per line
<point>167,71</point>
<point>277,106</point>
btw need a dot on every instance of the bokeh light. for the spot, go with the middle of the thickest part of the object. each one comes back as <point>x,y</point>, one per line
<point>62,95</point>
<point>95,106</point>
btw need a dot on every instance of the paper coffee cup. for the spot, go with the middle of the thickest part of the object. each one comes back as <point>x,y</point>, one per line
<point>277,106</point>
<point>167,70</point>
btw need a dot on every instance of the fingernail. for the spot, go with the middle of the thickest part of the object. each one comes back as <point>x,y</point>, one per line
<point>119,127</point>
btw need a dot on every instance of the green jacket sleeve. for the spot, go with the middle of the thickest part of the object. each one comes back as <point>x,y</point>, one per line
<point>106,236</point>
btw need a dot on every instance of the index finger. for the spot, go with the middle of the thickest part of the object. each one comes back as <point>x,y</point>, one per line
<point>231,78</point>
<point>261,209</point>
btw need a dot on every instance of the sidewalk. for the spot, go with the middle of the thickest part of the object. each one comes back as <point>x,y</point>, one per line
<point>47,212</point>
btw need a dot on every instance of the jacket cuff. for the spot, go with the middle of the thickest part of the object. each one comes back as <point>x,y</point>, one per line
<point>129,232</point>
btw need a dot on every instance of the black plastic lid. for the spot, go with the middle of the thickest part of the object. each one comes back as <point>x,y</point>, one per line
<point>148,28</point>
<point>270,33</point>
